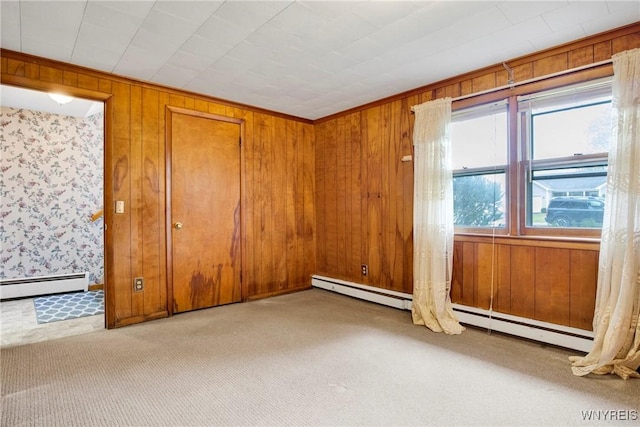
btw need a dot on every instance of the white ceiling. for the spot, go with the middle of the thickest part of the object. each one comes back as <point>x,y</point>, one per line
<point>305,58</point>
<point>40,101</point>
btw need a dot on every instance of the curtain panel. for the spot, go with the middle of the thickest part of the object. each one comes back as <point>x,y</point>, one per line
<point>616,324</point>
<point>433,218</point>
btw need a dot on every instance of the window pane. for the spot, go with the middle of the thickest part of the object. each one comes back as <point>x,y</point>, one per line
<point>478,200</point>
<point>480,141</point>
<point>570,197</point>
<point>567,132</point>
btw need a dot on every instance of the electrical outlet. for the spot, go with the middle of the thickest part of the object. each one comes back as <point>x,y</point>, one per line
<point>365,269</point>
<point>138,284</point>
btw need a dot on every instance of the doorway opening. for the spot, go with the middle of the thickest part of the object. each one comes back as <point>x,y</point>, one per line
<point>52,169</point>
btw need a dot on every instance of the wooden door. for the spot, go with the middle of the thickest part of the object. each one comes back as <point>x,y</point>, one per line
<point>204,217</point>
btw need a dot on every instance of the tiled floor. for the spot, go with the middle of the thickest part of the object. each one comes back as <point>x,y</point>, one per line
<point>18,324</point>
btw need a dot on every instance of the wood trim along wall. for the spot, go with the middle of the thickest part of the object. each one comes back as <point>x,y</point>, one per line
<point>578,53</point>
<point>338,179</point>
<point>22,68</point>
<point>169,220</point>
<point>279,170</point>
<point>364,197</point>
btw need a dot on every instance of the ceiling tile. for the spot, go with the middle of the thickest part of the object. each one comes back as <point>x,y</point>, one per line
<point>53,23</point>
<point>399,32</point>
<point>210,49</point>
<point>579,12</point>
<point>95,56</point>
<point>228,89</point>
<point>216,28</point>
<point>59,13</point>
<point>333,9</point>
<point>369,67</point>
<point>526,30</point>
<point>92,35</point>
<point>271,67</point>
<point>569,32</point>
<point>349,27</point>
<point>250,14</point>
<point>506,49</point>
<point>428,45</point>
<point>46,49</point>
<point>292,55</point>
<point>163,44</point>
<point>299,20</point>
<point>190,61</point>
<point>483,22</point>
<point>270,35</point>
<point>314,46</point>
<point>450,37</point>
<point>161,23</point>
<point>139,63</point>
<point>174,76</point>
<point>192,11</point>
<point>119,23</point>
<point>619,6</point>
<point>309,72</point>
<point>301,94</point>
<point>10,31</point>
<point>332,62</point>
<point>426,21</point>
<point>268,90</point>
<point>139,8</point>
<point>439,15</point>
<point>520,11</point>
<point>503,49</point>
<point>384,13</point>
<point>250,54</point>
<point>209,81</point>
<point>360,50</point>
<point>618,17</point>
<point>251,78</point>
<point>229,65</point>
<point>306,58</point>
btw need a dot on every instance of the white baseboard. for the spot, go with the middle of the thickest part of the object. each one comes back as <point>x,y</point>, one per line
<point>33,286</point>
<point>563,336</point>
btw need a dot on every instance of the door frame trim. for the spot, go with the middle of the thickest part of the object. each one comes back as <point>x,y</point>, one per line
<point>107,174</point>
<point>169,111</point>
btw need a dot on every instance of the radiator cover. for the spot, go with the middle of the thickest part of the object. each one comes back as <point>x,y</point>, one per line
<point>44,285</point>
<point>562,336</point>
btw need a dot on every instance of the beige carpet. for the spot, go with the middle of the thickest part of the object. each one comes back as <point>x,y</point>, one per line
<point>309,358</point>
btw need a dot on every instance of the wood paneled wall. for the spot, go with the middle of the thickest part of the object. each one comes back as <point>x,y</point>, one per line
<point>364,199</point>
<point>340,181</point>
<point>547,281</point>
<point>363,216</point>
<point>277,188</point>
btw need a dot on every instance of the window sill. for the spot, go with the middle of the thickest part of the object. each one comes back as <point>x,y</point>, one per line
<point>588,243</point>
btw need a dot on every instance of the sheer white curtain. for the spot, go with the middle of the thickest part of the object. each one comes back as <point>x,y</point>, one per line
<point>433,218</point>
<point>616,347</point>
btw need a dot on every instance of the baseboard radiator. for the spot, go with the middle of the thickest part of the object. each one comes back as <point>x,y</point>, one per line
<point>563,336</point>
<point>44,285</point>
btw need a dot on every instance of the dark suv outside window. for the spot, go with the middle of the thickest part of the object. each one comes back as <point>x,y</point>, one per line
<point>575,212</point>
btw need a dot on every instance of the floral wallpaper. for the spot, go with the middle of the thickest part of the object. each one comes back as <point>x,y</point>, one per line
<point>51,182</point>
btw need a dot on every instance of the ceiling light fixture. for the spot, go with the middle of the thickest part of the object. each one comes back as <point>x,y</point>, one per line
<point>61,99</point>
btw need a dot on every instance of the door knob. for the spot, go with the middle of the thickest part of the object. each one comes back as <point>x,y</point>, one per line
<point>177,225</point>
